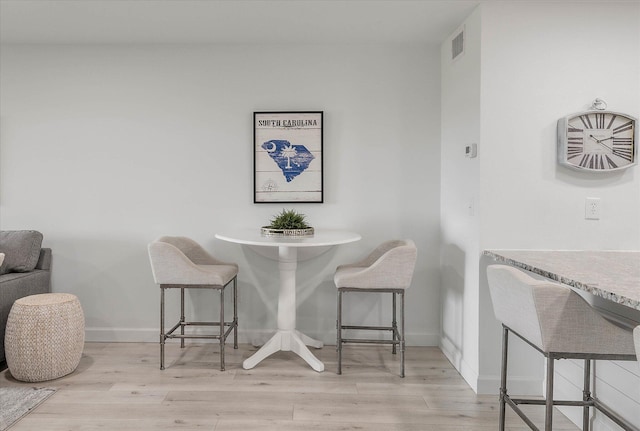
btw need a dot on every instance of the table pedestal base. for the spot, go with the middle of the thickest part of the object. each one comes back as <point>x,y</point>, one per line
<point>288,341</point>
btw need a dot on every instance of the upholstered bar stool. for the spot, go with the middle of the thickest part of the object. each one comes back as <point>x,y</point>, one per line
<point>557,322</point>
<point>181,263</point>
<point>388,269</point>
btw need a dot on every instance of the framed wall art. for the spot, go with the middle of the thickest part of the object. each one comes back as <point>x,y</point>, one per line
<point>287,157</point>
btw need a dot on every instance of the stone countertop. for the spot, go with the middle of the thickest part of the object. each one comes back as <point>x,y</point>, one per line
<point>613,275</point>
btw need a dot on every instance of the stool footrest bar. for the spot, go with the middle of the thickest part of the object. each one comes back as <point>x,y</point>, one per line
<point>520,413</point>
<point>363,341</point>
<point>555,402</point>
<point>603,408</point>
<point>370,328</point>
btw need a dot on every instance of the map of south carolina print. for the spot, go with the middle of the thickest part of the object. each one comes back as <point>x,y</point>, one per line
<point>287,156</point>
<point>291,159</point>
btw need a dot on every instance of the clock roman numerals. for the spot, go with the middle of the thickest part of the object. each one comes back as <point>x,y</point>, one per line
<point>596,121</point>
<point>575,146</point>
<point>623,147</point>
<point>623,127</point>
<point>586,121</point>
<point>610,163</point>
<point>596,161</point>
<point>587,161</point>
<point>626,154</point>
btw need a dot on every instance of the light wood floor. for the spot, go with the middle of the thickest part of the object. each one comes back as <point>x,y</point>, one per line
<point>119,386</point>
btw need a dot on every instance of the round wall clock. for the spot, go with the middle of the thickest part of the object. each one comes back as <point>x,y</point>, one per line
<point>598,141</point>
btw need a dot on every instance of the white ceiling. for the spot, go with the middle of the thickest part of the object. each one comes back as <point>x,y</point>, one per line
<point>231,21</point>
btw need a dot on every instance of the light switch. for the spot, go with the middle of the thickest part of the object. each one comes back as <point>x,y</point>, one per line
<point>471,151</point>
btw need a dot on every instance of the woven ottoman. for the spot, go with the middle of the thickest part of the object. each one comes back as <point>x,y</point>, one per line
<point>44,336</point>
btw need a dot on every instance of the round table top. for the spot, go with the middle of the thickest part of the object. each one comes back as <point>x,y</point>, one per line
<point>321,237</point>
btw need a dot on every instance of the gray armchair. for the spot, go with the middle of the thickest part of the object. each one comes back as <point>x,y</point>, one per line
<point>26,270</point>
<point>181,263</point>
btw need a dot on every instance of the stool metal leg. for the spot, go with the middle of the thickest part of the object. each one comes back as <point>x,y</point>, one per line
<point>339,332</point>
<point>235,313</point>
<point>586,394</point>
<point>394,323</point>
<point>222,338</point>
<point>182,319</point>
<point>402,338</point>
<point>548,421</point>
<point>162,337</point>
<point>503,376</point>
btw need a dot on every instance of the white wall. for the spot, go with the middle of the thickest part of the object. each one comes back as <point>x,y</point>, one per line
<point>459,198</point>
<point>531,79</point>
<point>106,147</point>
<point>538,63</point>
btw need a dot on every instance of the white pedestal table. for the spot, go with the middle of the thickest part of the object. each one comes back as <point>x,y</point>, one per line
<point>287,337</point>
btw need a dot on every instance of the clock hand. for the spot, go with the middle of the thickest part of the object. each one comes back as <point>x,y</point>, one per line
<point>599,141</point>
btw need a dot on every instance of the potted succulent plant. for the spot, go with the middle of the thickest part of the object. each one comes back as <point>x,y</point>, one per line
<point>288,223</point>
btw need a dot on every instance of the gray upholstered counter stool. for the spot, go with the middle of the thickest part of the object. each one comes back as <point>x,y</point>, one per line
<point>181,263</point>
<point>45,336</point>
<point>557,322</point>
<point>388,269</point>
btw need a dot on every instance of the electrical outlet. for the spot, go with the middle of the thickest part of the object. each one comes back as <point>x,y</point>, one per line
<point>592,209</point>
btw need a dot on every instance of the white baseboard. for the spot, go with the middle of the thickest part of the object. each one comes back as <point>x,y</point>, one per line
<point>426,340</point>
<point>124,335</point>
<point>487,384</point>
<point>454,355</point>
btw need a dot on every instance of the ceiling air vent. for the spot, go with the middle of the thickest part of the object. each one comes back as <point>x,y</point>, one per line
<point>457,45</point>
